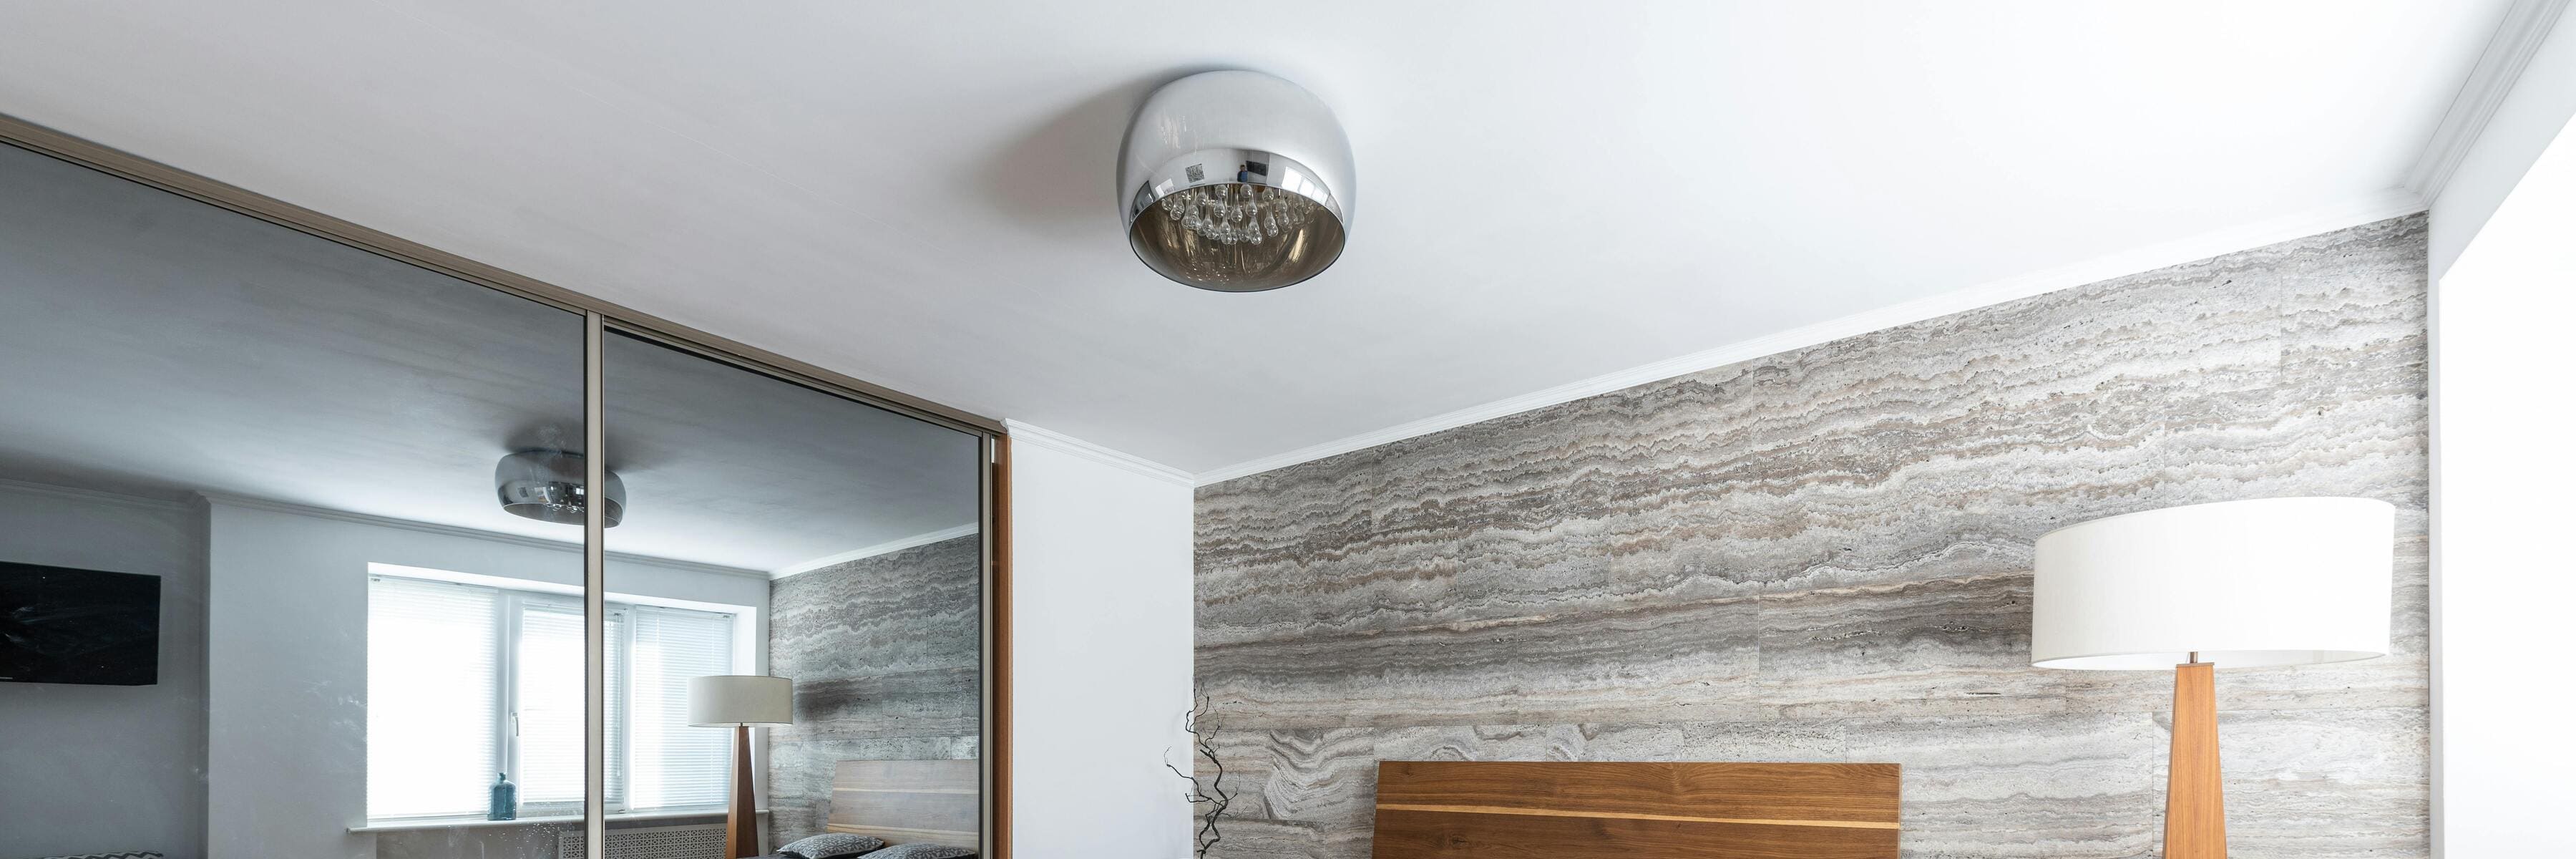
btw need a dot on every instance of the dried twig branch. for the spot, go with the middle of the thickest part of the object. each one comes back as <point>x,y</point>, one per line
<point>1211,792</point>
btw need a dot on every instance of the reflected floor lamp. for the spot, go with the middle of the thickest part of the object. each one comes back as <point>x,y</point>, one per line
<point>2275,581</point>
<point>741,702</point>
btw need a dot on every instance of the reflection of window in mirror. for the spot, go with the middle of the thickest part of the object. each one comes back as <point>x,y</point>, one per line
<point>482,675</point>
<point>252,414</point>
<point>321,516</point>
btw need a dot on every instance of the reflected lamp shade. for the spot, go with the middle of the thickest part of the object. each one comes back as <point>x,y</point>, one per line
<point>2274,581</point>
<point>727,700</point>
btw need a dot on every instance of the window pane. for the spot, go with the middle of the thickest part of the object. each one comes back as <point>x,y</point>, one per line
<point>676,765</point>
<point>431,680</point>
<point>550,707</point>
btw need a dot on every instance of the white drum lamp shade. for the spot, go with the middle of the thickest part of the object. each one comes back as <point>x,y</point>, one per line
<point>741,702</point>
<point>727,700</point>
<point>2275,581</point>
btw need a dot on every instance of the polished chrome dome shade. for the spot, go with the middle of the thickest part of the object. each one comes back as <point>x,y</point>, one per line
<point>1236,182</point>
<point>545,485</point>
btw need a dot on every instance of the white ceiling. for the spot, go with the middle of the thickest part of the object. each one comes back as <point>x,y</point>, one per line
<point>919,194</point>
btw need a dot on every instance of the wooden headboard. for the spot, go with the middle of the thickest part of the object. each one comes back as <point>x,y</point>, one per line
<point>1581,810</point>
<point>940,802</point>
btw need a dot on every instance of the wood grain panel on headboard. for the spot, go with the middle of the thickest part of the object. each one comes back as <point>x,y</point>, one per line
<point>939,802</point>
<point>1588,810</point>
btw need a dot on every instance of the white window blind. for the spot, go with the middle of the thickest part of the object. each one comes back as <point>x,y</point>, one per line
<point>465,682</point>
<point>549,704</point>
<point>431,674</point>
<point>675,765</point>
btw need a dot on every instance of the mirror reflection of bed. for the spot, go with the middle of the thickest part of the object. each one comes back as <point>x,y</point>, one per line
<point>908,802</point>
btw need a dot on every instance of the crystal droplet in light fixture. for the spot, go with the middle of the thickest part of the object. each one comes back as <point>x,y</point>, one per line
<point>1252,178</point>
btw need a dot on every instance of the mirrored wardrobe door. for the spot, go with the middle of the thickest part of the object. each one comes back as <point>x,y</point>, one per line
<point>290,553</point>
<point>795,582</point>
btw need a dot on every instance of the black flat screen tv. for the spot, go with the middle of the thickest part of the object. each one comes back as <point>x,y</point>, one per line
<point>61,625</point>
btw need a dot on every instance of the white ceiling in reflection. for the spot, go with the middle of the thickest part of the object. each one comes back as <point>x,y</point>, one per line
<point>156,346</point>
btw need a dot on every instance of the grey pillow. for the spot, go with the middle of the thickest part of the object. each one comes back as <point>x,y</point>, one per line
<point>922,851</point>
<point>831,846</point>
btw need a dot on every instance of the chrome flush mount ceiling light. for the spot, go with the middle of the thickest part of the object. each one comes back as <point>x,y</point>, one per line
<point>1236,181</point>
<point>545,485</point>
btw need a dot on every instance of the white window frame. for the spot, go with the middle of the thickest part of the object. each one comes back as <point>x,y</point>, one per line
<point>513,607</point>
<point>514,596</point>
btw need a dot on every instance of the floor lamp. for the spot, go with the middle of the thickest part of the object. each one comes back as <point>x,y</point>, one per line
<point>2276,581</point>
<point>741,702</point>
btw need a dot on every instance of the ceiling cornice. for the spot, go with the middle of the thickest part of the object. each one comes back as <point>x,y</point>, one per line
<point>2390,203</point>
<point>2526,25</point>
<point>889,546</point>
<point>292,508</point>
<point>91,495</point>
<point>1021,433</point>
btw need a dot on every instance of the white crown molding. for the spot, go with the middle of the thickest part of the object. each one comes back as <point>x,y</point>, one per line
<point>2382,205</point>
<point>91,495</point>
<point>873,551</point>
<point>292,508</point>
<point>1020,432</point>
<point>2526,25</point>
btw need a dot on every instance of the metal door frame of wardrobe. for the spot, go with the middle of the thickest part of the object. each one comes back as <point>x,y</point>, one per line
<point>598,319</point>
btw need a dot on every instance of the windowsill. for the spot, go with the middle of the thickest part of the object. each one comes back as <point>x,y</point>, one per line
<point>480,823</point>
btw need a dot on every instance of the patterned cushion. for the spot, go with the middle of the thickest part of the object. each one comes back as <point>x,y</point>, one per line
<point>831,846</point>
<point>922,851</point>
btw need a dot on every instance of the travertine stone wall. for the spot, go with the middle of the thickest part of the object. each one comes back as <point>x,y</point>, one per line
<point>1825,555</point>
<point>884,652</point>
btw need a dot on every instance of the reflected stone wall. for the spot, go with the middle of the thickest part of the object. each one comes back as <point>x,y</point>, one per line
<point>884,652</point>
<point>1824,555</point>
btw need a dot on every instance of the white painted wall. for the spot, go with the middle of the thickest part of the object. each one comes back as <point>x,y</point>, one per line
<point>2530,116</point>
<point>59,794</point>
<point>1101,651</point>
<point>2502,578</point>
<point>286,646</point>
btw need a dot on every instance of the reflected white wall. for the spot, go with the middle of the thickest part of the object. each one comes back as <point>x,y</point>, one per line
<point>96,769</point>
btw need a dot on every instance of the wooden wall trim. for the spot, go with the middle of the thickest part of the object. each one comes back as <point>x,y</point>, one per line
<point>1634,815</point>
<point>998,751</point>
<point>1636,810</point>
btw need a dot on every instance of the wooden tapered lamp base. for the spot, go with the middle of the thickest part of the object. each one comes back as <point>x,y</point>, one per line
<point>2195,811</point>
<point>742,823</point>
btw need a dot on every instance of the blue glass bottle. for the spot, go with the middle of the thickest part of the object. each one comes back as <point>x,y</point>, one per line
<point>505,798</point>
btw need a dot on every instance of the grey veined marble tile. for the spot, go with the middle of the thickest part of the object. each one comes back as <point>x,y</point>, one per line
<point>908,610</point>
<point>1946,646</point>
<point>2292,368</point>
<point>1824,554</point>
<point>2035,786</point>
<point>1688,661</point>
